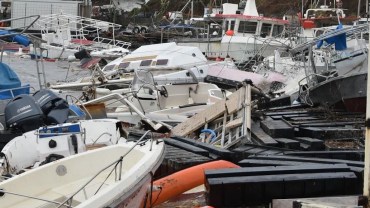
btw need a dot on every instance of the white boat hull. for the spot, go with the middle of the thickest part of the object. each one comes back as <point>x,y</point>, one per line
<point>59,180</point>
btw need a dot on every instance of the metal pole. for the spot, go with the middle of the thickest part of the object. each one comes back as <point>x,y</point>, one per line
<point>302,9</point>
<point>37,65</point>
<point>367,141</point>
<point>192,9</point>
<point>359,8</point>
<point>161,35</point>
<point>42,68</point>
<point>249,111</point>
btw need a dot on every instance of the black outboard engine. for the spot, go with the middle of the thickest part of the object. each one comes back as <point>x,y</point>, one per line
<point>54,108</point>
<point>23,113</point>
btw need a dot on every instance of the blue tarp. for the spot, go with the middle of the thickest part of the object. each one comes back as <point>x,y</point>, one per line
<point>8,78</point>
<point>21,39</point>
<point>10,85</point>
<point>339,40</point>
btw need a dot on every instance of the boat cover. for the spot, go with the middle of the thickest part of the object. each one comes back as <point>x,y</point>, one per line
<point>21,39</point>
<point>10,85</point>
<point>339,40</point>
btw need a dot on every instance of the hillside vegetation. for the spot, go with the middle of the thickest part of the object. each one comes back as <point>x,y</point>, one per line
<point>275,8</point>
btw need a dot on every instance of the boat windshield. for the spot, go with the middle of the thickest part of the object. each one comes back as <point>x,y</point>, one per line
<point>142,78</point>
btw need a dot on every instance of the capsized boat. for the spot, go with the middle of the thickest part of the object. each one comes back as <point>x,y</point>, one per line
<point>114,176</point>
<point>166,60</point>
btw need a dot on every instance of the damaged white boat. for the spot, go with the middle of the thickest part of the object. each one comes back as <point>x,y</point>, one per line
<point>167,103</point>
<point>114,176</point>
<point>168,61</point>
<point>51,143</point>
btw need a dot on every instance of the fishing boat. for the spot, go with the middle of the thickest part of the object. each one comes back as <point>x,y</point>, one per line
<point>324,16</point>
<point>246,34</point>
<point>113,176</point>
<point>344,86</point>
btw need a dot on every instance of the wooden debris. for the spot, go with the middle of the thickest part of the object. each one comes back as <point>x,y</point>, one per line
<point>227,118</point>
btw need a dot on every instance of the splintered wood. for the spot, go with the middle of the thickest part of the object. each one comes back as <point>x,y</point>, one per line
<point>232,104</point>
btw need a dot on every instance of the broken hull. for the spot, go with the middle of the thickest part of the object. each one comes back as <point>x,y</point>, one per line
<point>347,92</point>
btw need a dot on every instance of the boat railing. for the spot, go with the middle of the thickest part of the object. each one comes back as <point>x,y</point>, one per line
<point>116,163</point>
<point>23,29</point>
<point>80,103</point>
<point>123,99</point>
<point>258,53</point>
<point>113,42</point>
<point>11,93</point>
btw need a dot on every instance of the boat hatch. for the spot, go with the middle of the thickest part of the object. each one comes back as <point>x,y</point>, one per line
<point>162,62</point>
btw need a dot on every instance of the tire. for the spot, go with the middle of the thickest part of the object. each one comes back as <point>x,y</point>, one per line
<point>136,30</point>
<point>143,30</point>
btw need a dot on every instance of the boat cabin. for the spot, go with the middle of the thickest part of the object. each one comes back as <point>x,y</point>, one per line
<point>325,17</point>
<point>249,22</point>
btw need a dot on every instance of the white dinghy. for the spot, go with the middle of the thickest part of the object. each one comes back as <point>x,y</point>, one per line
<point>113,176</point>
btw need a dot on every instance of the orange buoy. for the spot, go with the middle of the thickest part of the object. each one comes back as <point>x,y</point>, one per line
<point>308,24</point>
<point>230,32</point>
<point>184,180</point>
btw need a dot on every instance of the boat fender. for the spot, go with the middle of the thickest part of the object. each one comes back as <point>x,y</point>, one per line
<point>52,144</point>
<point>230,32</point>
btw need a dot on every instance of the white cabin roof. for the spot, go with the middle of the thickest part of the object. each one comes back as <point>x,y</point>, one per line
<point>175,56</point>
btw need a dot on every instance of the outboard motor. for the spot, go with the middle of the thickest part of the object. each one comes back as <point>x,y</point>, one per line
<point>23,113</point>
<point>54,108</point>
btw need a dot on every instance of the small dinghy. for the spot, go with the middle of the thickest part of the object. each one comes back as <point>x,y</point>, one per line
<point>113,176</point>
